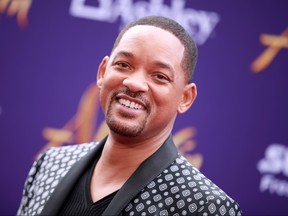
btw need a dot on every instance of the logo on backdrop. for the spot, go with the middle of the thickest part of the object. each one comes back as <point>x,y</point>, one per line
<point>199,23</point>
<point>81,128</point>
<point>274,44</point>
<point>274,170</point>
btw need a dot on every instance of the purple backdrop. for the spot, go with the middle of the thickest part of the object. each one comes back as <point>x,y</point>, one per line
<point>240,118</point>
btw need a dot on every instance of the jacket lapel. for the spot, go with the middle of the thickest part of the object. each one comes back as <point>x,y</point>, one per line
<point>62,190</point>
<point>144,174</point>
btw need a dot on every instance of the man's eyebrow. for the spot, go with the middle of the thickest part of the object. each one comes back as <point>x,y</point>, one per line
<point>158,63</point>
<point>167,67</point>
<point>124,53</point>
<point>164,65</point>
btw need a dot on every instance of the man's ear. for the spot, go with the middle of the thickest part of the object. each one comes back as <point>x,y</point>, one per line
<point>101,71</point>
<point>188,97</point>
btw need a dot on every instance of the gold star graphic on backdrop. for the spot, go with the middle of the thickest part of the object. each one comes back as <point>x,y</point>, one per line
<point>274,44</point>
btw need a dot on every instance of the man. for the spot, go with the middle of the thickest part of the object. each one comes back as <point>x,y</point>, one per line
<point>136,169</point>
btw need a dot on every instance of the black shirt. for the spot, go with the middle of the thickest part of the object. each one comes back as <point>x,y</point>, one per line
<point>79,202</point>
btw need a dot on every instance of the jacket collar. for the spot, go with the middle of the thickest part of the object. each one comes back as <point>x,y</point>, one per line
<point>145,173</point>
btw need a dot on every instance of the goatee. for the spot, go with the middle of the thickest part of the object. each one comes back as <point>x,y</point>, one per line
<point>120,127</point>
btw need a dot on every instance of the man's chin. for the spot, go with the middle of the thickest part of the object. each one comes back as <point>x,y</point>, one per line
<point>124,129</point>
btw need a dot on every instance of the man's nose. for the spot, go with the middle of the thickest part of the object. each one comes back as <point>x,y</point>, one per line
<point>136,82</point>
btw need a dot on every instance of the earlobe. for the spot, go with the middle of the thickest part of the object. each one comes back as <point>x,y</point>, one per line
<point>188,97</point>
<point>101,71</point>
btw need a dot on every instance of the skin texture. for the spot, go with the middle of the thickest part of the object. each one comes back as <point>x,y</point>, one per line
<point>144,69</point>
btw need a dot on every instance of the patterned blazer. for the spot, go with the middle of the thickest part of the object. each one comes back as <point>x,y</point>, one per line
<point>164,184</point>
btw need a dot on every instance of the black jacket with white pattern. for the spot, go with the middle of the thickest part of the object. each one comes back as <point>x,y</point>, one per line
<point>164,184</point>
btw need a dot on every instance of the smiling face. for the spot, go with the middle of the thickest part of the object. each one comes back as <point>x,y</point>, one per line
<point>142,84</point>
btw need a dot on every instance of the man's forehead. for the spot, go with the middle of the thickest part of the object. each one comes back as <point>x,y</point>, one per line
<point>145,28</point>
<point>139,34</point>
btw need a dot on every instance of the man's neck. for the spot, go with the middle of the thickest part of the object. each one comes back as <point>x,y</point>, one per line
<point>129,152</point>
<point>119,159</point>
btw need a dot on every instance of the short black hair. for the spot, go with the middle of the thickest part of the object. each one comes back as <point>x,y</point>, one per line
<point>189,59</point>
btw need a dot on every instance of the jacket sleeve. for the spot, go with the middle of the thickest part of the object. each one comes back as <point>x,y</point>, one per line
<point>28,191</point>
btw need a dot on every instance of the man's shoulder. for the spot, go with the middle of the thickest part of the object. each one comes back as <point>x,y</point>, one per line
<point>181,187</point>
<point>196,180</point>
<point>76,149</point>
<point>47,171</point>
<point>206,194</point>
<point>65,155</point>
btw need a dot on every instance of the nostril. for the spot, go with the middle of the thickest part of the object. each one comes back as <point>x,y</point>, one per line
<point>135,85</point>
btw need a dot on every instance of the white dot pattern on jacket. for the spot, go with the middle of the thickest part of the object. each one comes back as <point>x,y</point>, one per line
<point>45,175</point>
<point>182,190</point>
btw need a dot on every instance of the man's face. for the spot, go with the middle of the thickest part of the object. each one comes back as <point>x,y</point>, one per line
<point>142,84</point>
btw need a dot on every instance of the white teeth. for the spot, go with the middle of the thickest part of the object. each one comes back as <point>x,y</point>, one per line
<point>127,103</point>
<point>130,104</point>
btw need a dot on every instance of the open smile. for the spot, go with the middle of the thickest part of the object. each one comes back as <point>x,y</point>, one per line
<point>130,104</point>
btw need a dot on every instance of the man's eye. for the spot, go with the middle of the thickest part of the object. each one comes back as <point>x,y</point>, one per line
<point>162,77</point>
<point>122,64</point>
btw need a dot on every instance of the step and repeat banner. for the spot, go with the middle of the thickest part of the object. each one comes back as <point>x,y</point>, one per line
<point>236,132</point>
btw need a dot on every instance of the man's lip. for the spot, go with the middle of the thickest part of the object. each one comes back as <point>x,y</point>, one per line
<point>135,100</point>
